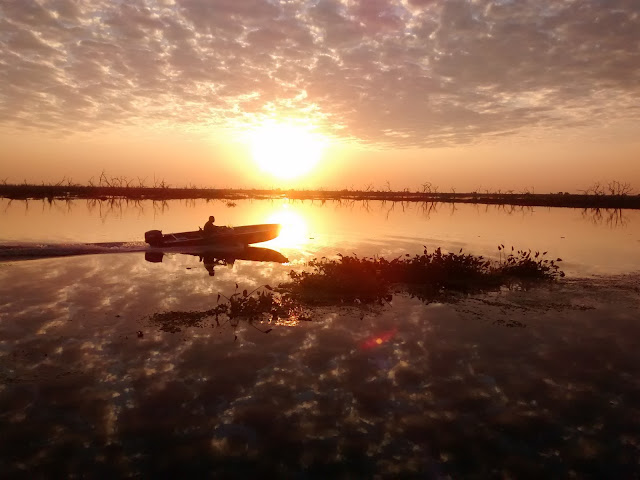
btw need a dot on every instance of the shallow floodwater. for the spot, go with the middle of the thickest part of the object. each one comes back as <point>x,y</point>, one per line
<point>529,383</point>
<point>589,241</point>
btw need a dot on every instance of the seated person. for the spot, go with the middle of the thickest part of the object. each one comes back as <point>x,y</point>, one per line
<point>209,227</point>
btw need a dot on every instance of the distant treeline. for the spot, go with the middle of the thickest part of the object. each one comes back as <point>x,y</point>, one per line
<point>597,199</point>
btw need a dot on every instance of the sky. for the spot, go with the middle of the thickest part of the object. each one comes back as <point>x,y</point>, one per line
<point>522,95</point>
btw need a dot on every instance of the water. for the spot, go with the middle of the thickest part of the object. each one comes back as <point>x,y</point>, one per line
<point>89,383</point>
<point>589,242</point>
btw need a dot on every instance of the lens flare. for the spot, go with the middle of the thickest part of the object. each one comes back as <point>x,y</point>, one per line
<point>379,339</point>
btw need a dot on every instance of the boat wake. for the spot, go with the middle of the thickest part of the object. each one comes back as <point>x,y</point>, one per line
<point>27,251</point>
<point>31,251</point>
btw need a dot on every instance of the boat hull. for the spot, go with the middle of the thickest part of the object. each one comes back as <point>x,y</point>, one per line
<point>243,235</point>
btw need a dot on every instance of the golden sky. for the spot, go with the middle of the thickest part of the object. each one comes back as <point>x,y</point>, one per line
<point>466,94</point>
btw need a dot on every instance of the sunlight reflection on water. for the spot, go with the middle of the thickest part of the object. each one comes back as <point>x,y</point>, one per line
<point>294,232</point>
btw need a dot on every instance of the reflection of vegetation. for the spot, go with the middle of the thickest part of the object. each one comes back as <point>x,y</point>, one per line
<point>370,279</point>
<point>262,304</point>
<point>104,207</point>
<point>613,217</point>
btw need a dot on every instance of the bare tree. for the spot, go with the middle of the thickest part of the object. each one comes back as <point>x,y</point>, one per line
<point>618,188</point>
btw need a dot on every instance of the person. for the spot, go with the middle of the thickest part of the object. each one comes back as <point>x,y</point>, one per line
<point>209,227</point>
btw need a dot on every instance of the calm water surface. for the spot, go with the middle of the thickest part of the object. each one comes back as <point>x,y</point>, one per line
<point>590,241</point>
<point>90,385</point>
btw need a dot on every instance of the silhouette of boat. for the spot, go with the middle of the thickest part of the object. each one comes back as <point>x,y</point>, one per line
<point>223,236</point>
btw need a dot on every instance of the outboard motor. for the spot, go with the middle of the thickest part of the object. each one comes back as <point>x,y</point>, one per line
<point>153,238</point>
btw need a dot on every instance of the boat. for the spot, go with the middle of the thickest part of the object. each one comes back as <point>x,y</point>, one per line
<point>223,236</point>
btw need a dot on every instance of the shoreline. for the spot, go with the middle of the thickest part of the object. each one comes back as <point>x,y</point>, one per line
<point>80,192</point>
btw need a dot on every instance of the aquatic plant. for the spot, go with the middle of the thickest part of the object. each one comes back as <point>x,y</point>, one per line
<point>525,265</point>
<point>263,304</point>
<point>348,279</point>
<point>354,279</point>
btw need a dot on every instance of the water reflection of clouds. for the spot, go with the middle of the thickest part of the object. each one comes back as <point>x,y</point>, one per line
<point>447,391</point>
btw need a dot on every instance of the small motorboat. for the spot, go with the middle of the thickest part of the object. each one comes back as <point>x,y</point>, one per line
<point>222,236</point>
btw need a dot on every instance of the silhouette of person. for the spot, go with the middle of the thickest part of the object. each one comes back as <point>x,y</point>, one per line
<point>210,268</point>
<point>209,227</point>
<point>210,262</point>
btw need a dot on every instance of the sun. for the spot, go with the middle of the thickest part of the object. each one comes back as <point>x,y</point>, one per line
<point>284,150</point>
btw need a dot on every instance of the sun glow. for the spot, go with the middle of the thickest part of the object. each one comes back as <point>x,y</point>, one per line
<point>286,150</point>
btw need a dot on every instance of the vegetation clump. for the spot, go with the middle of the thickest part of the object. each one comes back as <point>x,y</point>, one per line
<point>260,305</point>
<point>354,279</point>
<point>348,279</point>
<point>351,279</point>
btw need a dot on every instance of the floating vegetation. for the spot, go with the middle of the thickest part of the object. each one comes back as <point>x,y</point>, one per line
<point>348,279</point>
<point>366,280</point>
<point>259,306</point>
<point>353,280</point>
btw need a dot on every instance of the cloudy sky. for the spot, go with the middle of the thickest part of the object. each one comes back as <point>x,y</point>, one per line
<point>467,94</point>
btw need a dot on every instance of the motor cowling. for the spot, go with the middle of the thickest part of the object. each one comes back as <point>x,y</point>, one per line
<point>153,237</point>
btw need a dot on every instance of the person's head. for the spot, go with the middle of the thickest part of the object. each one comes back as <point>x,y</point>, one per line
<point>212,218</point>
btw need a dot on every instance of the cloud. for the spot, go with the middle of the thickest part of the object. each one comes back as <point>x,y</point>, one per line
<point>401,73</point>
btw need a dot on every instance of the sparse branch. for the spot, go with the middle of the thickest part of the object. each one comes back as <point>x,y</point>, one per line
<point>619,188</point>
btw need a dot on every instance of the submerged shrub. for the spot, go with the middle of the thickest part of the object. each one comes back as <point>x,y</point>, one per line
<point>350,278</point>
<point>346,279</point>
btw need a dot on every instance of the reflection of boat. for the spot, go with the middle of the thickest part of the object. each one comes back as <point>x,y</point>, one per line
<point>243,235</point>
<point>216,257</point>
